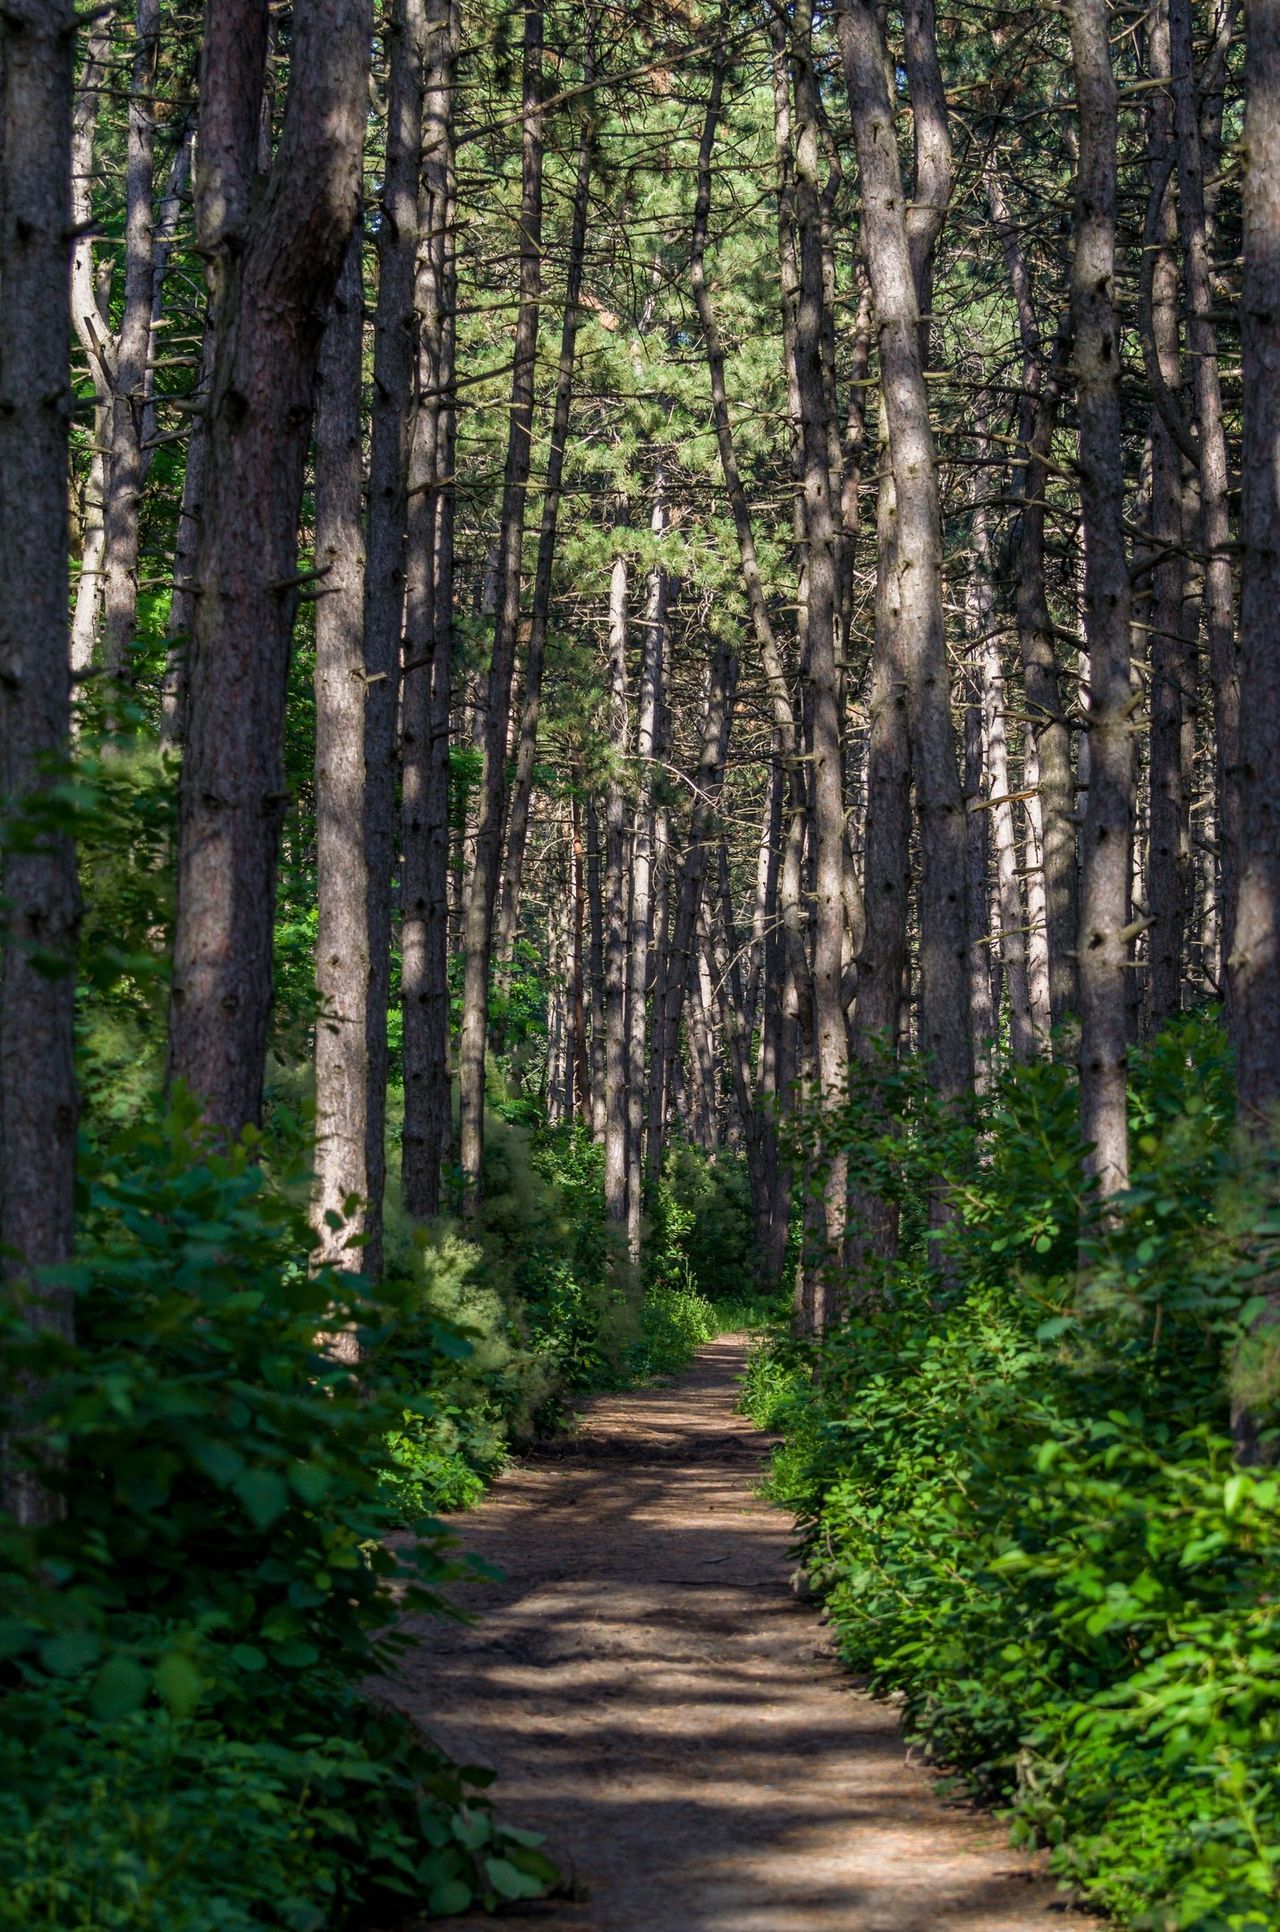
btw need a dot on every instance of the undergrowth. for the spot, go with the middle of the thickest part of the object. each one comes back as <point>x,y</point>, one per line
<point>188,1743</point>
<point>1019,1500</point>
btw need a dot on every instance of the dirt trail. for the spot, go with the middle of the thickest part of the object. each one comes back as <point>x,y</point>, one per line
<point>658,1704</point>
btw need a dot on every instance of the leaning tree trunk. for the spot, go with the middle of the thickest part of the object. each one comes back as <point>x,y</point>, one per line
<point>272,301</point>
<point>342,937</point>
<point>1108,823</point>
<point>483,892</point>
<point>40,894</point>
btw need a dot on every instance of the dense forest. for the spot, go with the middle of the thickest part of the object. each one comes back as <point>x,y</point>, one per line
<point>639,696</point>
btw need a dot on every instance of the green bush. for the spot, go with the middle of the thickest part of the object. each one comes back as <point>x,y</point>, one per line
<point>705,1218</point>
<point>1019,1497</point>
<point>185,1739</point>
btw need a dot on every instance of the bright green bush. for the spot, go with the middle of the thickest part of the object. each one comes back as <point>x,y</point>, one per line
<point>1020,1502</point>
<point>184,1735</point>
<point>704,1214</point>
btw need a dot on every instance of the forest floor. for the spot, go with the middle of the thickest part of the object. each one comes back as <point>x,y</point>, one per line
<point>657,1702</point>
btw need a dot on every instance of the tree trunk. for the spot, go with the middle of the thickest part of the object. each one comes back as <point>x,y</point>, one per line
<point>831,1044</point>
<point>91,322</point>
<point>1050,733</point>
<point>395,358</point>
<point>38,1103</point>
<point>897,257</point>
<point>428,647</point>
<point>722,680</point>
<point>652,670</point>
<point>342,939</point>
<point>595,919</point>
<point>478,934</point>
<point>126,465</point>
<point>1108,822</point>
<point>535,651</point>
<point>1255,947</point>
<point>1215,480</point>
<point>615,914</point>
<point>273,300</point>
<point>1166,836</point>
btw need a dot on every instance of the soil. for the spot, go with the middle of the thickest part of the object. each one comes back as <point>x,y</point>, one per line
<point>658,1702</point>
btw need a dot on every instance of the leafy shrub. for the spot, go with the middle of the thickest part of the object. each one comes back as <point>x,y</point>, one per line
<point>1019,1498</point>
<point>185,1742</point>
<point>704,1214</point>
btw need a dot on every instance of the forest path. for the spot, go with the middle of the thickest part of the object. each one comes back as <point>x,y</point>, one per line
<point>657,1703</point>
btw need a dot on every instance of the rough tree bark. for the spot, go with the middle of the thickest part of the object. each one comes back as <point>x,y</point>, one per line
<point>898,251</point>
<point>615,913</point>
<point>342,937</point>
<point>1167,833</point>
<point>1108,823</point>
<point>831,1044</point>
<point>272,301</point>
<point>1048,727</point>
<point>38,1107</point>
<point>1214,478</point>
<point>1255,946</point>
<point>126,465</point>
<point>428,649</point>
<point>391,416</point>
<point>483,891</point>
<point>648,711</point>
<point>540,614</point>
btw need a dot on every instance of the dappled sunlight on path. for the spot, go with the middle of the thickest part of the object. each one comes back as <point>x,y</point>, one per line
<point>656,1701</point>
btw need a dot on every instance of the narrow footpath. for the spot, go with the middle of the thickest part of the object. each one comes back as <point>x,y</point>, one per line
<point>657,1702</point>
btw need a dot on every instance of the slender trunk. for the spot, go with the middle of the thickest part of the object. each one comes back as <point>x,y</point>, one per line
<point>38,1102</point>
<point>830,1034</point>
<point>178,631</point>
<point>126,465</point>
<point>615,913</point>
<point>1165,882</point>
<point>595,914</point>
<point>428,645</point>
<point>721,683</point>
<point>1012,918</point>
<point>581,1063</point>
<point>886,863</point>
<point>342,939</point>
<point>1215,477</point>
<point>91,322</point>
<point>1255,945</point>
<point>1108,822</point>
<point>535,650</point>
<point>478,934</point>
<point>652,671</point>
<point>898,252</point>
<point>1050,733</point>
<point>982,1009</point>
<point>395,359</point>
<point>780,703</point>
<point>272,303</point>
